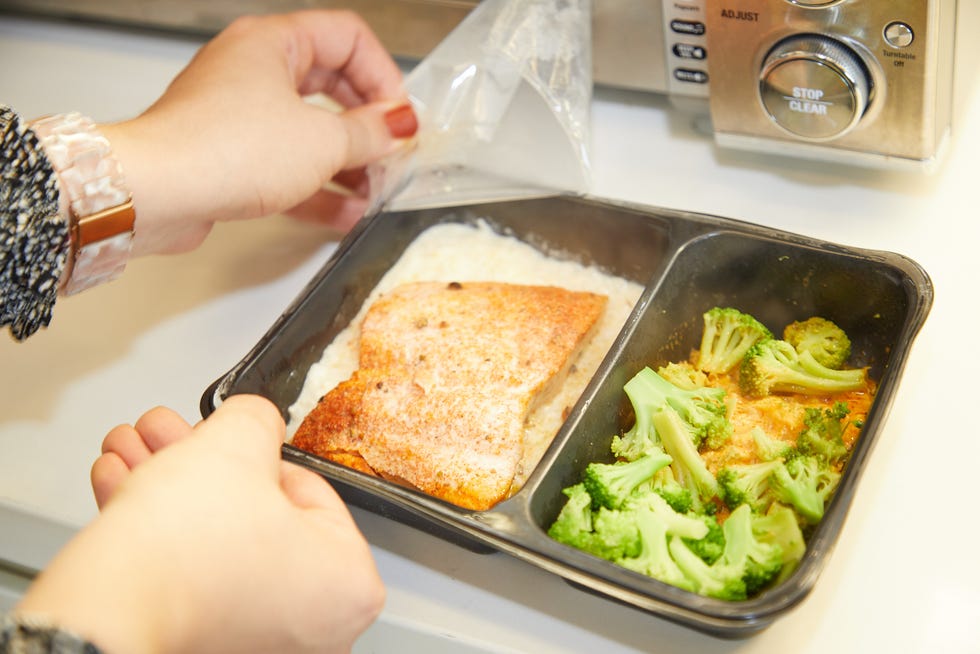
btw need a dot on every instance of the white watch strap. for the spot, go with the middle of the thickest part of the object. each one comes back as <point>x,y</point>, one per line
<point>99,202</point>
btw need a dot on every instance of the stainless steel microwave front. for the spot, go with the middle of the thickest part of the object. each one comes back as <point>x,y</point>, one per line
<point>857,81</point>
<point>627,51</point>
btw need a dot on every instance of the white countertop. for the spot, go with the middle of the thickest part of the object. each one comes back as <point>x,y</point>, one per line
<point>905,574</point>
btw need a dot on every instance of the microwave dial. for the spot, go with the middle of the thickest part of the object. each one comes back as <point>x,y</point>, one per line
<point>815,87</point>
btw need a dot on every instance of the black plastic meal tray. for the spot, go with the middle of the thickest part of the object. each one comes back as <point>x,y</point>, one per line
<point>687,263</point>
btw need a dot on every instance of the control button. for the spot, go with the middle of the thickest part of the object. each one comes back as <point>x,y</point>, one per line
<point>899,35</point>
<point>688,51</point>
<point>814,87</point>
<point>693,27</point>
<point>689,75</point>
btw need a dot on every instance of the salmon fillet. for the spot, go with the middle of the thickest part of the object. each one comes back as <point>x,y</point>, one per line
<point>447,376</point>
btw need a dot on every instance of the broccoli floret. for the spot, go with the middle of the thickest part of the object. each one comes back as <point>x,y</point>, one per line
<point>688,467</point>
<point>615,536</point>
<point>641,436</point>
<point>653,558</point>
<point>684,375</point>
<point>686,525</point>
<point>768,447</point>
<point>805,483</point>
<point>665,484</point>
<point>760,561</point>
<point>823,339</point>
<point>610,484</point>
<point>774,366</point>
<point>573,526</point>
<point>779,526</point>
<point>727,336</point>
<point>712,545</point>
<point>703,408</point>
<point>604,533</point>
<point>718,580</point>
<point>822,434</point>
<point>747,484</point>
<point>657,521</point>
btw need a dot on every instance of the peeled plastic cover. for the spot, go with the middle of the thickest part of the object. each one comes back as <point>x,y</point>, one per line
<point>503,105</point>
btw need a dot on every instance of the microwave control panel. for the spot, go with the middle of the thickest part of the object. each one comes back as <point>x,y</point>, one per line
<point>685,48</point>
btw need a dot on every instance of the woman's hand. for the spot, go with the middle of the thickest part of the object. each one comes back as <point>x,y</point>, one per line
<point>234,137</point>
<point>209,542</point>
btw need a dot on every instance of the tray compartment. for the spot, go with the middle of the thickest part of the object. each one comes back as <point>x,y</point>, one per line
<point>878,298</point>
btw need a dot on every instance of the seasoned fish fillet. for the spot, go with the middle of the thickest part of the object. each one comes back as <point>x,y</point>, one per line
<point>447,375</point>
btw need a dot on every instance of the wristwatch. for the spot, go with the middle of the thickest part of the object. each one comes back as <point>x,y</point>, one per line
<point>95,196</point>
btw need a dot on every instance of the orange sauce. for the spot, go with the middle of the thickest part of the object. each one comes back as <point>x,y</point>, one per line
<point>780,416</point>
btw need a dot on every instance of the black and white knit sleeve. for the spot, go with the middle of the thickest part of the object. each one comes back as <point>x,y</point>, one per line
<point>27,636</point>
<point>34,236</point>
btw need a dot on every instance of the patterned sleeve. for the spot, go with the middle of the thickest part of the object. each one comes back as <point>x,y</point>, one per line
<point>27,636</point>
<point>34,236</point>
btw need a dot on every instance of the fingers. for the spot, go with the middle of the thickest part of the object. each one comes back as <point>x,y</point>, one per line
<point>337,54</point>
<point>336,210</point>
<point>160,427</point>
<point>245,425</point>
<point>126,447</point>
<point>346,59</point>
<point>334,52</point>
<point>125,442</point>
<point>108,472</point>
<point>156,429</point>
<point>355,181</point>
<point>122,450</point>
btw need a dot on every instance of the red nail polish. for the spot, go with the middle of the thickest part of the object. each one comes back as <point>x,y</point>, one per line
<point>401,121</point>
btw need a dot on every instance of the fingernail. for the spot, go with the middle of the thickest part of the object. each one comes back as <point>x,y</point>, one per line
<point>401,121</point>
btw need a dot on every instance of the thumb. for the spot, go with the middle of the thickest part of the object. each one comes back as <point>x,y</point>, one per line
<point>248,428</point>
<point>376,130</point>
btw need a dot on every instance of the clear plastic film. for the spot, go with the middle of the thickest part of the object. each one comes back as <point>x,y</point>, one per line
<point>503,106</point>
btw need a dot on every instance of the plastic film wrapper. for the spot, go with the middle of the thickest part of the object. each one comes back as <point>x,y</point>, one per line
<point>503,106</point>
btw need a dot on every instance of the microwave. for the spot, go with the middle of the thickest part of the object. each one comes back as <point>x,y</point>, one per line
<point>866,82</point>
